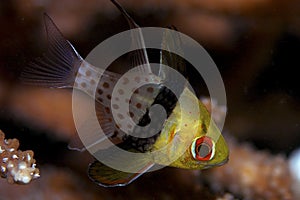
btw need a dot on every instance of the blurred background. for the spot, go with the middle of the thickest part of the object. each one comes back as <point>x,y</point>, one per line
<point>255,44</point>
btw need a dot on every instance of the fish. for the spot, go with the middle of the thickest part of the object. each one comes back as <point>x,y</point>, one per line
<point>193,140</point>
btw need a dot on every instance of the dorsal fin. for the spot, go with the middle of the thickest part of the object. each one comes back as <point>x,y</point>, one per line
<point>171,39</point>
<point>139,57</point>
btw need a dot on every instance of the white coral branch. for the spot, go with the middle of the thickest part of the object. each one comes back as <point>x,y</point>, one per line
<point>16,166</point>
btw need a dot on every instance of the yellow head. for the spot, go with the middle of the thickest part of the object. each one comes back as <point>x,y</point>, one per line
<point>195,141</point>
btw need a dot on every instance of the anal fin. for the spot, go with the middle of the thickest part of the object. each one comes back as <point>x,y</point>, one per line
<point>76,144</point>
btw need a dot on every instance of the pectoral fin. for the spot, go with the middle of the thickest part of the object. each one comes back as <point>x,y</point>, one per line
<point>108,177</point>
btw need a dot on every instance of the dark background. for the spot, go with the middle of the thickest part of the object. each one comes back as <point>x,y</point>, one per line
<point>255,44</point>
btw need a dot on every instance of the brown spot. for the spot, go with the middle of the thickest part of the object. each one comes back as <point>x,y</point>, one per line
<point>107,110</point>
<point>83,85</point>
<point>131,114</point>
<point>137,79</point>
<point>120,91</point>
<point>120,116</point>
<point>125,80</point>
<point>115,106</point>
<point>146,79</point>
<point>150,89</point>
<point>100,91</point>
<point>136,91</point>
<point>93,82</point>
<point>110,119</point>
<point>108,96</point>
<point>138,105</point>
<point>129,126</point>
<point>88,73</point>
<point>117,99</point>
<point>105,85</point>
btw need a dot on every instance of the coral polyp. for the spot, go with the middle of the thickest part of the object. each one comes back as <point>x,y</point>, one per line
<point>16,166</point>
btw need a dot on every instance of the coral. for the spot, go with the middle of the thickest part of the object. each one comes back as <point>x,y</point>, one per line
<point>252,174</point>
<point>16,166</point>
<point>226,196</point>
<point>294,164</point>
<point>56,183</point>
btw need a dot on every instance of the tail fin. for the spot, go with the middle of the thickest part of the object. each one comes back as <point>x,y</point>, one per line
<point>58,67</point>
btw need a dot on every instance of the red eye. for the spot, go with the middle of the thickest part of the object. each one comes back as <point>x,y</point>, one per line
<point>203,148</point>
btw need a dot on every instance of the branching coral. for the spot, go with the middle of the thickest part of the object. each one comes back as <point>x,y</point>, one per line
<point>252,174</point>
<point>16,166</point>
<point>249,173</point>
<point>226,196</point>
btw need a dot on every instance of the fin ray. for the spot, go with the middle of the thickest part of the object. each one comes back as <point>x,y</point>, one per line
<point>139,57</point>
<point>176,62</point>
<point>57,67</point>
<point>108,177</point>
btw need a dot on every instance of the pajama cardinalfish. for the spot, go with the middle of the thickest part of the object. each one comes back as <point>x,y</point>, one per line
<point>60,66</point>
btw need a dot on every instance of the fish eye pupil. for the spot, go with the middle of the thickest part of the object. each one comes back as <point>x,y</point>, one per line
<point>203,150</point>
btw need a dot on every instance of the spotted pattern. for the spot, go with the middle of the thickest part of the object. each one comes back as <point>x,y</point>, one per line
<point>140,101</point>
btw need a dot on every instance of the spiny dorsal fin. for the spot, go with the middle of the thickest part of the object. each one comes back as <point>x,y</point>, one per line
<point>139,57</point>
<point>58,66</point>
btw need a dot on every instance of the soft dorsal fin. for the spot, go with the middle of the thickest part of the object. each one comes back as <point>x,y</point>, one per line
<point>58,66</point>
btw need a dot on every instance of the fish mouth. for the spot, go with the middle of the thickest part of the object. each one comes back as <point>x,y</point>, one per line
<point>217,164</point>
<point>222,162</point>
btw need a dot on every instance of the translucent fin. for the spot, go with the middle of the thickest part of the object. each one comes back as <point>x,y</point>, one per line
<point>143,98</point>
<point>108,177</point>
<point>108,125</point>
<point>172,40</point>
<point>76,144</point>
<point>56,68</point>
<point>94,139</point>
<point>139,57</point>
